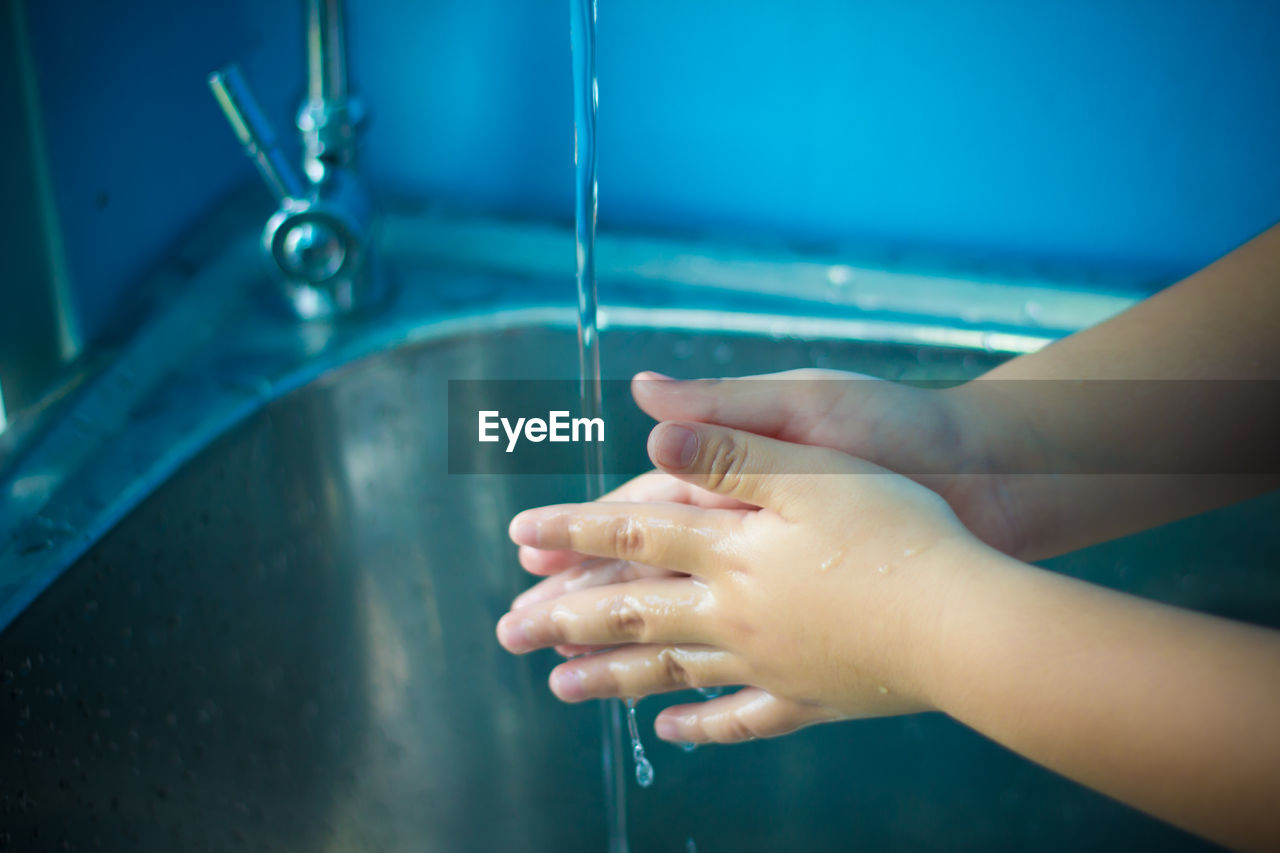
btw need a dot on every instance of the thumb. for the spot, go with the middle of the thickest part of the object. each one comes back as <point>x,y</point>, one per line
<point>760,471</point>
<point>795,405</point>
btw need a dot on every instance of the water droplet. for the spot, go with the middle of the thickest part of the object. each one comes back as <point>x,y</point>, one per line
<point>839,274</point>
<point>688,747</point>
<point>839,278</point>
<point>644,769</point>
<point>884,570</point>
<point>710,692</point>
<point>884,691</point>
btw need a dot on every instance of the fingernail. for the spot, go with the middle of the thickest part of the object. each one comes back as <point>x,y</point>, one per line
<point>514,635</point>
<point>666,728</point>
<point>569,684</point>
<point>674,446</point>
<point>524,530</point>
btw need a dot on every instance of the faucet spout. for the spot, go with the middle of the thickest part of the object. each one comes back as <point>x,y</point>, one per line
<point>329,116</point>
<point>326,51</point>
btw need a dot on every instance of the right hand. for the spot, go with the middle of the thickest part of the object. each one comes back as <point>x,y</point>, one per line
<point>897,427</point>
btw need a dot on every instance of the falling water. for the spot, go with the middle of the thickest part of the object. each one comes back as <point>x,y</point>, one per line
<point>644,768</point>
<point>582,35</point>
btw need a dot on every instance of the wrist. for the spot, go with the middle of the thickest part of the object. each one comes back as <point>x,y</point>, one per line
<point>966,583</point>
<point>1004,477</point>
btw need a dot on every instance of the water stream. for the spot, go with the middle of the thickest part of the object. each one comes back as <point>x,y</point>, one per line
<point>582,35</point>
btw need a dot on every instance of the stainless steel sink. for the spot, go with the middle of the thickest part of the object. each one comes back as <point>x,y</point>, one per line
<point>275,631</point>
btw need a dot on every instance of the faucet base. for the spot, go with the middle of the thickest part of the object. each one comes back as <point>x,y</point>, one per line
<point>322,251</point>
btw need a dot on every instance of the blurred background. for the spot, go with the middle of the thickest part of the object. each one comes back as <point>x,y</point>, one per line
<point>1130,142</point>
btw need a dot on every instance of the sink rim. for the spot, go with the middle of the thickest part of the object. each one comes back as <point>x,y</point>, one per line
<point>222,353</point>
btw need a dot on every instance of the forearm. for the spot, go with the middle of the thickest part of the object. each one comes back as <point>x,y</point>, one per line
<point>1175,416</point>
<point>1219,323</point>
<point>1173,712</point>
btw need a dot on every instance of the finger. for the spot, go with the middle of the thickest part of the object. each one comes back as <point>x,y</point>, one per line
<point>654,611</point>
<point>749,714</point>
<point>571,651</point>
<point>652,487</point>
<point>795,409</point>
<point>635,671</point>
<point>537,561</point>
<point>594,572</point>
<point>661,487</point>
<point>748,467</point>
<point>671,536</point>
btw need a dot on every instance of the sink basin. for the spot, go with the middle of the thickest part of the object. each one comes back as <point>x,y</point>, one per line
<point>286,642</point>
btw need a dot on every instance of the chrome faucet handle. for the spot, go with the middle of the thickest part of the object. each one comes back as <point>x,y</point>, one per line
<point>254,132</point>
<point>320,239</point>
<point>319,244</point>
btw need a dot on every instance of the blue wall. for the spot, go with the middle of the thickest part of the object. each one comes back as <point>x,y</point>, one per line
<point>1133,138</point>
<point>138,148</point>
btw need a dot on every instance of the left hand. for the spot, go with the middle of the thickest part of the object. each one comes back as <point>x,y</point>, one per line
<point>824,601</point>
<point>569,571</point>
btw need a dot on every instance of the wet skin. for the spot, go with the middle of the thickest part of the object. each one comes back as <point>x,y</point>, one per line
<point>858,592</point>
<point>735,585</point>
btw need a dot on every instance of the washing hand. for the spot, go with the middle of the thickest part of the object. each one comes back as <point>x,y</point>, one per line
<point>895,426</point>
<point>857,592</point>
<point>824,600</point>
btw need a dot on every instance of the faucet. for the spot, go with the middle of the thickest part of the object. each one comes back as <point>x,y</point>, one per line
<point>319,238</point>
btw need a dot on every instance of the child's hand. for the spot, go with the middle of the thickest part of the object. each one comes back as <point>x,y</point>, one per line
<point>570,571</point>
<point>905,429</point>
<point>825,600</point>
<point>895,426</point>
